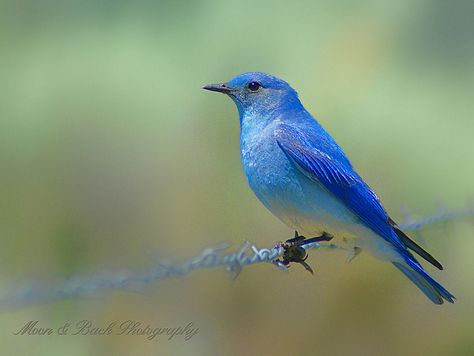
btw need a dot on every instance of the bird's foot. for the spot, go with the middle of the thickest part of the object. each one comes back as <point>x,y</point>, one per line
<point>295,252</point>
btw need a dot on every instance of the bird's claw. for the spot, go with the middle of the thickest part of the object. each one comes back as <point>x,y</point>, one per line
<point>295,252</point>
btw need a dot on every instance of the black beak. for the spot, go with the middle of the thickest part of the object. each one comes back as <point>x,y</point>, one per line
<point>219,87</point>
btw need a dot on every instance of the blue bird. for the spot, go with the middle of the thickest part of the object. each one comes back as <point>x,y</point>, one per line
<point>297,170</point>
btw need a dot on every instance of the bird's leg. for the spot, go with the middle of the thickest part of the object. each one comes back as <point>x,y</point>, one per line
<point>325,236</point>
<point>295,252</point>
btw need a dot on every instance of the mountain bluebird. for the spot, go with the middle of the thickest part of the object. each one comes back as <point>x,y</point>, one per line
<point>302,176</point>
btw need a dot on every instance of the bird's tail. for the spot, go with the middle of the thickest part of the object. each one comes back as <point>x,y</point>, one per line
<point>432,289</point>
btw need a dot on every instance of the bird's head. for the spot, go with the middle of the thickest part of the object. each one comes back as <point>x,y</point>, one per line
<point>257,92</point>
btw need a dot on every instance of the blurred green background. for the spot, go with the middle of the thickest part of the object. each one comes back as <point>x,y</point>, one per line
<point>112,156</point>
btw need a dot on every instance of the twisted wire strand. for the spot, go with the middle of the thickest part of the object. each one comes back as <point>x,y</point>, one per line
<point>211,257</point>
<point>441,217</point>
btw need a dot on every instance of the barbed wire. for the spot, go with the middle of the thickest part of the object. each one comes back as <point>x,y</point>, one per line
<point>211,257</point>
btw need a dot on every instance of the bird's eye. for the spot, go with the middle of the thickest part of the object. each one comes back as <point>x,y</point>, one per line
<point>254,86</point>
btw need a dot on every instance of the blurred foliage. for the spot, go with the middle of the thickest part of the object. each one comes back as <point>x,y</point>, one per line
<point>111,155</point>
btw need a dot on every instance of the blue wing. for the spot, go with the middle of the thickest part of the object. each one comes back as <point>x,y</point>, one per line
<point>335,173</point>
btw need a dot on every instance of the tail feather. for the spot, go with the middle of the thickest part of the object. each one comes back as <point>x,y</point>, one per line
<point>412,245</point>
<point>432,289</point>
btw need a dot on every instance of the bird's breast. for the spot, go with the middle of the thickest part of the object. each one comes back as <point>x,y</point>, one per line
<point>267,169</point>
